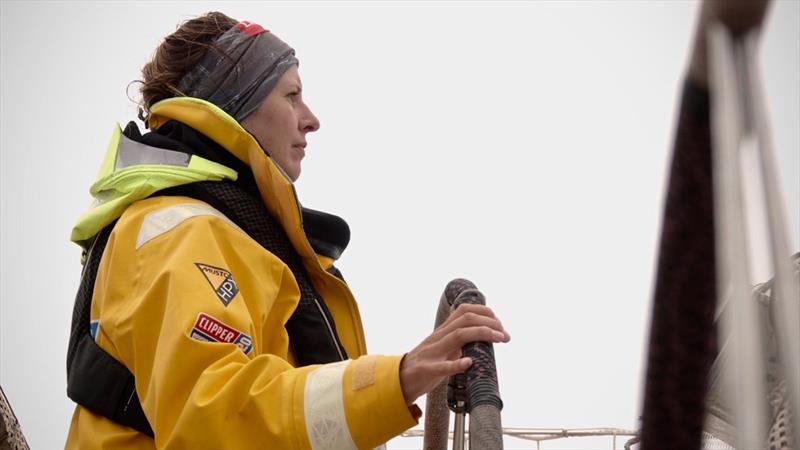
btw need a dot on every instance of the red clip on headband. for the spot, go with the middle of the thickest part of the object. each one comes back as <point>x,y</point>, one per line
<point>250,28</point>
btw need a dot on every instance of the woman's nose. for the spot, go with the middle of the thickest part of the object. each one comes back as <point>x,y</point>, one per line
<point>309,122</point>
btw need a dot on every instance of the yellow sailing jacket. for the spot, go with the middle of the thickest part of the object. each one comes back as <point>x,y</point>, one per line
<point>195,309</point>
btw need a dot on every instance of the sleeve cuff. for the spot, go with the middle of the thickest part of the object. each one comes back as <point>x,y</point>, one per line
<point>374,404</point>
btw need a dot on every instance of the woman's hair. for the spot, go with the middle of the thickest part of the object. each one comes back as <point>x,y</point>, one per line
<point>178,54</point>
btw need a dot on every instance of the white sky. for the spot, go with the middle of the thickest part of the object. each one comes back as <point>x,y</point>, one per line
<point>521,145</point>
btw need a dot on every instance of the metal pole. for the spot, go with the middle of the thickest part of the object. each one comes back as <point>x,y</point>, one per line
<point>458,430</point>
<point>730,133</point>
<point>785,288</point>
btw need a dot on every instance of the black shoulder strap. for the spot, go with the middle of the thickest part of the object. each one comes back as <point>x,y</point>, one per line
<point>106,387</point>
<point>95,380</point>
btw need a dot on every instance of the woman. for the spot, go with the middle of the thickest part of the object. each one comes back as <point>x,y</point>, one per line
<point>210,314</point>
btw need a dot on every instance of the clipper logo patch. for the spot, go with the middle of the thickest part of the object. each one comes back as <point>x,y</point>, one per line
<point>209,329</point>
<point>221,281</point>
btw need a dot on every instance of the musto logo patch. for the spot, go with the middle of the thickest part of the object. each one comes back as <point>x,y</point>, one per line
<point>221,281</point>
<point>209,329</point>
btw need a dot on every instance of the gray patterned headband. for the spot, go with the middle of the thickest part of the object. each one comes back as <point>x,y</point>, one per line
<point>238,77</point>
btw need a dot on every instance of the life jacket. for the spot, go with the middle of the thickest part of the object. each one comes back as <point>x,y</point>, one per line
<point>106,387</point>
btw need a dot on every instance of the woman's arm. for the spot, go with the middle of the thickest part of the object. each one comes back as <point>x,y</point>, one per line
<point>196,310</point>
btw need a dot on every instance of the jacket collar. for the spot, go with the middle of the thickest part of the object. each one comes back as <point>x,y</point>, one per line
<point>136,167</point>
<point>275,188</point>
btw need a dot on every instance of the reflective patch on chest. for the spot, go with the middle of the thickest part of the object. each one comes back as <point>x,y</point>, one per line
<point>221,281</point>
<point>209,329</point>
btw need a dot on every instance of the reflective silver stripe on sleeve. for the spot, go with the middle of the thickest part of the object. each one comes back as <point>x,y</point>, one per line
<point>162,220</point>
<point>326,424</point>
<point>132,153</point>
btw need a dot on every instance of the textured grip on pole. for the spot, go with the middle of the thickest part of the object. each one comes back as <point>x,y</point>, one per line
<point>456,287</point>
<point>485,426</point>
<point>482,387</point>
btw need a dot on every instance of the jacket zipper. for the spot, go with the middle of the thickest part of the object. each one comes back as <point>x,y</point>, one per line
<point>359,336</point>
<point>330,329</point>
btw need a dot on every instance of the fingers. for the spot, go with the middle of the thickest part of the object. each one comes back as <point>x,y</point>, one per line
<point>418,377</point>
<point>456,339</point>
<point>449,368</point>
<point>473,316</point>
<point>439,355</point>
<point>482,310</point>
<point>469,323</point>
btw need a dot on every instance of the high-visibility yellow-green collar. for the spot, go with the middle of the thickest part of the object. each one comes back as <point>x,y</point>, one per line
<point>132,171</point>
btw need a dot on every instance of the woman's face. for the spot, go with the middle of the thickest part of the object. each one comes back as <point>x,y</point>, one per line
<point>281,122</point>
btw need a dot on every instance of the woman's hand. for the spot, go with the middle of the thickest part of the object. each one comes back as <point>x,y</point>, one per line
<point>739,16</point>
<point>439,355</point>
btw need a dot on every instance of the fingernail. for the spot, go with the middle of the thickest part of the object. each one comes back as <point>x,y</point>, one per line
<point>498,336</point>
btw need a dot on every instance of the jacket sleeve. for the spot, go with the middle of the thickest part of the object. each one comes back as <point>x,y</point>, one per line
<point>196,309</point>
